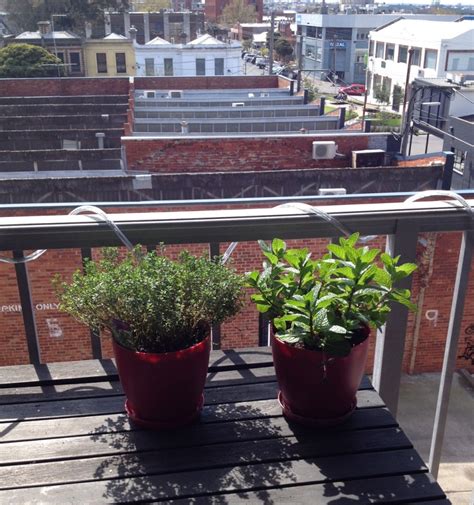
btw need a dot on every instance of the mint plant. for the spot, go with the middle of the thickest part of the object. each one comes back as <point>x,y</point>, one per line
<point>149,302</point>
<point>328,304</point>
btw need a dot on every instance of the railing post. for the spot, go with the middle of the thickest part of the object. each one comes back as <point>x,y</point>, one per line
<point>214,248</point>
<point>390,341</point>
<point>450,351</point>
<point>86,253</point>
<point>27,309</point>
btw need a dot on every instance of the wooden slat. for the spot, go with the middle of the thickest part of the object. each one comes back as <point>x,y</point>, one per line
<point>408,489</point>
<point>256,476</point>
<point>206,456</point>
<point>115,404</point>
<point>111,423</point>
<point>94,370</point>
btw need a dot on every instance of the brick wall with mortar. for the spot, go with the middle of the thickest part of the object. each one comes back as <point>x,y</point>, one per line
<point>62,339</point>
<point>174,155</point>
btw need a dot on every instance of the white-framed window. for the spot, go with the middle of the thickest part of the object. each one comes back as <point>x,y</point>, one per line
<point>149,66</point>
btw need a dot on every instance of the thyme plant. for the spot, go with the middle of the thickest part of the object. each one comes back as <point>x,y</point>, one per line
<point>149,302</point>
<point>328,304</point>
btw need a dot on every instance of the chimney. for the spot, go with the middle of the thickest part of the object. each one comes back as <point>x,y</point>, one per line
<point>133,33</point>
<point>44,27</point>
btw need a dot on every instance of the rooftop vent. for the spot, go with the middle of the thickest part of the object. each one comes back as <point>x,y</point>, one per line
<point>324,150</point>
<point>174,93</point>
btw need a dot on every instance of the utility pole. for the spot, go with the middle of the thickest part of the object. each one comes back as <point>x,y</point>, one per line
<point>270,49</point>
<point>406,114</point>
<point>334,41</point>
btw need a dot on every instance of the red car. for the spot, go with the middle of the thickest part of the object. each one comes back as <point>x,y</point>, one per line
<point>353,89</point>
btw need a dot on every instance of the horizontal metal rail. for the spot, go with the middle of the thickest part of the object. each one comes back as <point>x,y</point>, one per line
<point>56,232</point>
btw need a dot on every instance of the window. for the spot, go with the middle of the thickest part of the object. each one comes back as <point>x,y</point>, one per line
<point>200,66</point>
<point>371,48</point>
<point>149,66</point>
<point>75,61</point>
<point>168,66</point>
<point>402,54</point>
<point>60,55</point>
<point>460,60</point>
<point>101,63</point>
<point>120,63</point>
<point>431,55</point>
<point>338,33</point>
<point>219,66</point>
<point>379,50</point>
<point>416,58</point>
<point>459,160</point>
<point>390,52</point>
<point>311,31</point>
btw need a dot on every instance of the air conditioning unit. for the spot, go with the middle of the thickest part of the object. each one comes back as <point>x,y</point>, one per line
<point>332,191</point>
<point>324,150</point>
<point>251,95</point>
<point>238,104</point>
<point>421,73</point>
<point>174,93</point>
<point>150,94</point>
<point>264,95</point>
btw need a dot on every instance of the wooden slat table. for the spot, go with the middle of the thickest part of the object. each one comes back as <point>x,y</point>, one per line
<point>64,438</point>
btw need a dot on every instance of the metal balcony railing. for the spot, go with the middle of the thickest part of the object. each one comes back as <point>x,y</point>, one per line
<point>400,222</point>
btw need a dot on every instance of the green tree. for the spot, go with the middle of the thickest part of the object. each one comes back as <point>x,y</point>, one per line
<point>152,5</point>
<point>26,13</point>
<point>25,60</point>
<point>238,11</point>
<point>283,49</point>
<point>382,94</point>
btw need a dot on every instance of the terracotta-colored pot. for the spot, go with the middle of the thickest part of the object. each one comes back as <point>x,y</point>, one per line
<point>312,396</point>
<point>163,390</point>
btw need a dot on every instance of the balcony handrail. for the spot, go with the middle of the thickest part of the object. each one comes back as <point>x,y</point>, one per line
<point>224,225</point>
<point>215,202</point>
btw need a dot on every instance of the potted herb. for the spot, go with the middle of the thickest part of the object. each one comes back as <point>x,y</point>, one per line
<point>160,313</point>
<point>322,311</point>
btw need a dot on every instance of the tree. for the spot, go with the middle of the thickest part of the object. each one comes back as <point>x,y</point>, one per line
<point>382,94</point>
<point>153,5</point>
<point>26,13</point>
<point>284,49</point>
<point>238,11</point>
<point>26,60</point>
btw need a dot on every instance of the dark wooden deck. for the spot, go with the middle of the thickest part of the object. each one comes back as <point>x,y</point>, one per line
<point>65,439</point>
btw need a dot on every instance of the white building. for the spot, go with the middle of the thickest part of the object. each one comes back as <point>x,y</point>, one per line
<point>439,48</point>
<point>202,56</point>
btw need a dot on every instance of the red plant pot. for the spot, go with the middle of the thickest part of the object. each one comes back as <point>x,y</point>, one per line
<point>163,390</point>
<point>310,396</point>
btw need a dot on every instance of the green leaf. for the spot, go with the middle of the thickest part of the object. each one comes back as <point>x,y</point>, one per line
<point>337,329</point>
<point>370,255</point>
<point>352,240</point>
<point>406,268</point>
<point>321,320</point>
<point>278,246</point>
<point>264,246</point>
<point>271,257</point>
<point>337,250</point>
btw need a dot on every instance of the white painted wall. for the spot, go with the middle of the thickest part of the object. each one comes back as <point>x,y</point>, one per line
<point>184,59</point>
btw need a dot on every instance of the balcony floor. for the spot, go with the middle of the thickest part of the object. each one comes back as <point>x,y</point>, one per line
<point>65,439</point>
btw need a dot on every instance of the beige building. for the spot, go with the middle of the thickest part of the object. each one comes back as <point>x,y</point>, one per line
<point>112,56</point>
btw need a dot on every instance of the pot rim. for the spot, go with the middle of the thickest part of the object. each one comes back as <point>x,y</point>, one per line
<point>162,354</point>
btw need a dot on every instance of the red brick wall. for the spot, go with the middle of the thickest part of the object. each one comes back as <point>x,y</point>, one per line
<point>232,153</point>
<point>214,82</point>
<point>64,86</point>
<point>72,342</point>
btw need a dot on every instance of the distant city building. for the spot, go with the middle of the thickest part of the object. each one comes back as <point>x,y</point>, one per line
<point>175,27</point>
<point>338,43</point>
<point>112,56</point>
<point>65,45</point>
<point>202,56</point>
<point>246,31</point>
<point>439,48</point>
<point>214,8</point>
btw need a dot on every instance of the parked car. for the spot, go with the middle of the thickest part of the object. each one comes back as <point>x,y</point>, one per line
<point>249,56</point>
<point>353,89</point>
<point>244,53</point>
<point>261,62</point>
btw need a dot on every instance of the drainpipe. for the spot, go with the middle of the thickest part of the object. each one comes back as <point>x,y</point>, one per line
<point>426,262</point>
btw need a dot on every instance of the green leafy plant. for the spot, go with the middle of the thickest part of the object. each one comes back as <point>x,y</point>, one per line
<point>328,304</point>
<point>149,302</point>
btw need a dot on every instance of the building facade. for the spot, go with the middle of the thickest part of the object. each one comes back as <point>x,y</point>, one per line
<point>213,9</point>
<point>175,27</point>
<point>438,48</point>
<point>339,42</point>
<point>202,56</point>
<point>112,56</point>
<point>65,45</point>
